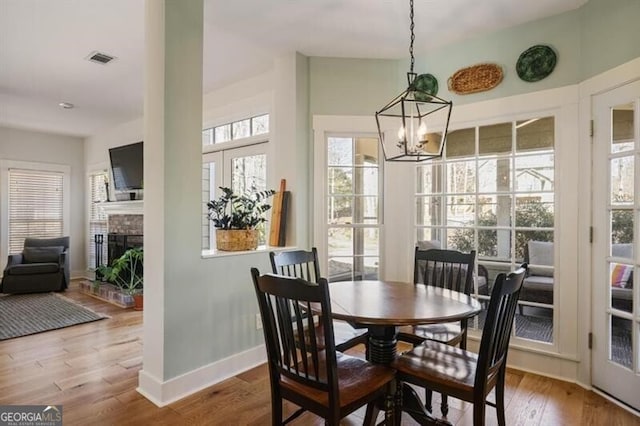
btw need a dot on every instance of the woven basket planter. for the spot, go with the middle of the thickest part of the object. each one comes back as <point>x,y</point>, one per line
<point>236,239</point>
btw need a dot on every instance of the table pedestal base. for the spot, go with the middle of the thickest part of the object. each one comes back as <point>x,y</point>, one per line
<point>382,350</point>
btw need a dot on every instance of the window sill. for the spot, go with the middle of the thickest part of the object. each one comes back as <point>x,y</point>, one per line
<point>207,254</point>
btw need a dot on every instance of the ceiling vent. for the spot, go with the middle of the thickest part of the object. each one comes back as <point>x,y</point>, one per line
<point>100,58</point>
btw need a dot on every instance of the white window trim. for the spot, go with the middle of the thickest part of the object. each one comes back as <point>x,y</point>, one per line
<point>5,165</point>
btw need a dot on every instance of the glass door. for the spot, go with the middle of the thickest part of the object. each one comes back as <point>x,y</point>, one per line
<point>616,266</point>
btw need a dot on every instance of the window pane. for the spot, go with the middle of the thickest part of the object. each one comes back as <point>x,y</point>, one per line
<point>535,324</point>
<point>534,211</point>
<point>340,269</point>
<point>461,143</point>
<point>340,210</point>
<point>622,233</point>
<point>535,134</point>
<point>428,211</point>
<point>208,194</point>
<point>535,173</point>
<point>461,176</point>
<point>429,179</point>
<point>260,124</point>
<point>241,129</point>
<point>460,210</point>
<point>494,175</point>
<point>429,234</point>
<point>495,139</point>
<point>340,180</point>
<point>621,345</point>
<point>97,220</point>
<point>365,210</point>
<point>207,137</point>
<point>622,170</point>
<point>366,181</point>
<point>249,174</point>
<point>366,151</point>
<point>623,139</point>
<point>340,242</point>
<point>494,244</point>
<point>461,239</point>
<point>522,240</point>
<point>621,286</point>
<point>222,133</point>
<point>494,210</point>
<point>340,151</point>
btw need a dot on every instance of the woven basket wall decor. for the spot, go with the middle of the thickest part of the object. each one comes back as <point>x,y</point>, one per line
<point>476,78</point>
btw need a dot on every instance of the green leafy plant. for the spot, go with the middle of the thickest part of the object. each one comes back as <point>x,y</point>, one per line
<point>233,211</point>
<point>126,271</point>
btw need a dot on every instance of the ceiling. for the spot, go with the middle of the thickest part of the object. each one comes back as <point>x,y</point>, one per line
<point>44,43</point>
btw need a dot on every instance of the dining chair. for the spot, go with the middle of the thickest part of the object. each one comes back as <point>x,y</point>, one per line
<point>310,372</point>
<point>466,375</point>
<point>304,264</point>
<point>448,269</point>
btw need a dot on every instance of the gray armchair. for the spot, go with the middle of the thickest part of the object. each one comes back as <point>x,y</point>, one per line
<point>42,266</point>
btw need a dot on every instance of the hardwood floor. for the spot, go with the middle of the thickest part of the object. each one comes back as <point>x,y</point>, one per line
<point>92,370</point>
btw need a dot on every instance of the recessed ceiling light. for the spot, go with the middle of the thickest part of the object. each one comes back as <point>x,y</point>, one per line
<point>66,105</point>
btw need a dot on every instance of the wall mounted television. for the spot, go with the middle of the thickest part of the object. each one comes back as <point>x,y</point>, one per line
<point>127,166</point>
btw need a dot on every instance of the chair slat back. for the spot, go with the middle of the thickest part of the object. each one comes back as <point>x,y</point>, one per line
<point>496,334</point>
<point>294,347</point>
<point>448,269</point>
<point>298,263</point>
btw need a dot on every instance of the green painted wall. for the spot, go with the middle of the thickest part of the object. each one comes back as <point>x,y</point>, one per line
<point>610,35</point>
<point>597,37</point>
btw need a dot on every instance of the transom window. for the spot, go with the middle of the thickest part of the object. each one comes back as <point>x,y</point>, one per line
<point>253,126</point>
<point>493,192</point>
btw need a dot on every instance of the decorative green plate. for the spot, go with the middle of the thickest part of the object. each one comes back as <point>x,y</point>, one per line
<point>425,83</point>
<point>536,63</point>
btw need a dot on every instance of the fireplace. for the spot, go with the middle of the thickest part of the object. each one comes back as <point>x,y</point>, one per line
<point>117,244</point>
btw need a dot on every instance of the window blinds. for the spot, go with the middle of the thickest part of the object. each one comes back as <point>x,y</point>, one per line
<point>97,217</point>
<point>35,206</point>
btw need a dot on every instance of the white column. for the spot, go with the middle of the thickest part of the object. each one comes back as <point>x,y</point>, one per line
<point>172,158</point>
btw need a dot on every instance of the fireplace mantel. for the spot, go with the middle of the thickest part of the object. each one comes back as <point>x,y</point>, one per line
<point>123,207</point>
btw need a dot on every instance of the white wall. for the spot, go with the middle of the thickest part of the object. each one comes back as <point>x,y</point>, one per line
<point>30,146</point>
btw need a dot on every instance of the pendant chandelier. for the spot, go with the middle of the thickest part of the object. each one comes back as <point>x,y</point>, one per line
<point>403,129</point>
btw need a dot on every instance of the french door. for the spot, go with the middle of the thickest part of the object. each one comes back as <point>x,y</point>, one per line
<point>616,252</point>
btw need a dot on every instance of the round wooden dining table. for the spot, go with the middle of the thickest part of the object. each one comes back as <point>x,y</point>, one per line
<point>383,306</point>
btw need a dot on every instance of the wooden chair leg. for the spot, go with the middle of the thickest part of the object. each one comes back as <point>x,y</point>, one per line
<point>276,410</point>
<point>500,397</point>
<point>371,416</point>
<point>478,413</point>
<point>444,405</point>
<point>428,394</point>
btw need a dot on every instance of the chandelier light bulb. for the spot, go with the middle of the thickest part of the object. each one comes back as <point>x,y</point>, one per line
<point>422,132</point>
<point>401,133</point>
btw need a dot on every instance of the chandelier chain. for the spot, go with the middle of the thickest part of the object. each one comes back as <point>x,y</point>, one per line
<point>413,36</point>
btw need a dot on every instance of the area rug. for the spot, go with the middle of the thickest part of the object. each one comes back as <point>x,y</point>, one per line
<point>24,314</point>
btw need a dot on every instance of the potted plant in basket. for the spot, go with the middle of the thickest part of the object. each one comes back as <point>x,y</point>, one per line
<point>236,218</point>
<point>126,272</point>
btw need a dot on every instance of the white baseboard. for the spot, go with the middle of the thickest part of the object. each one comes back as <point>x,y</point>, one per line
<point>163,393</point>
<point>75,275</point>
